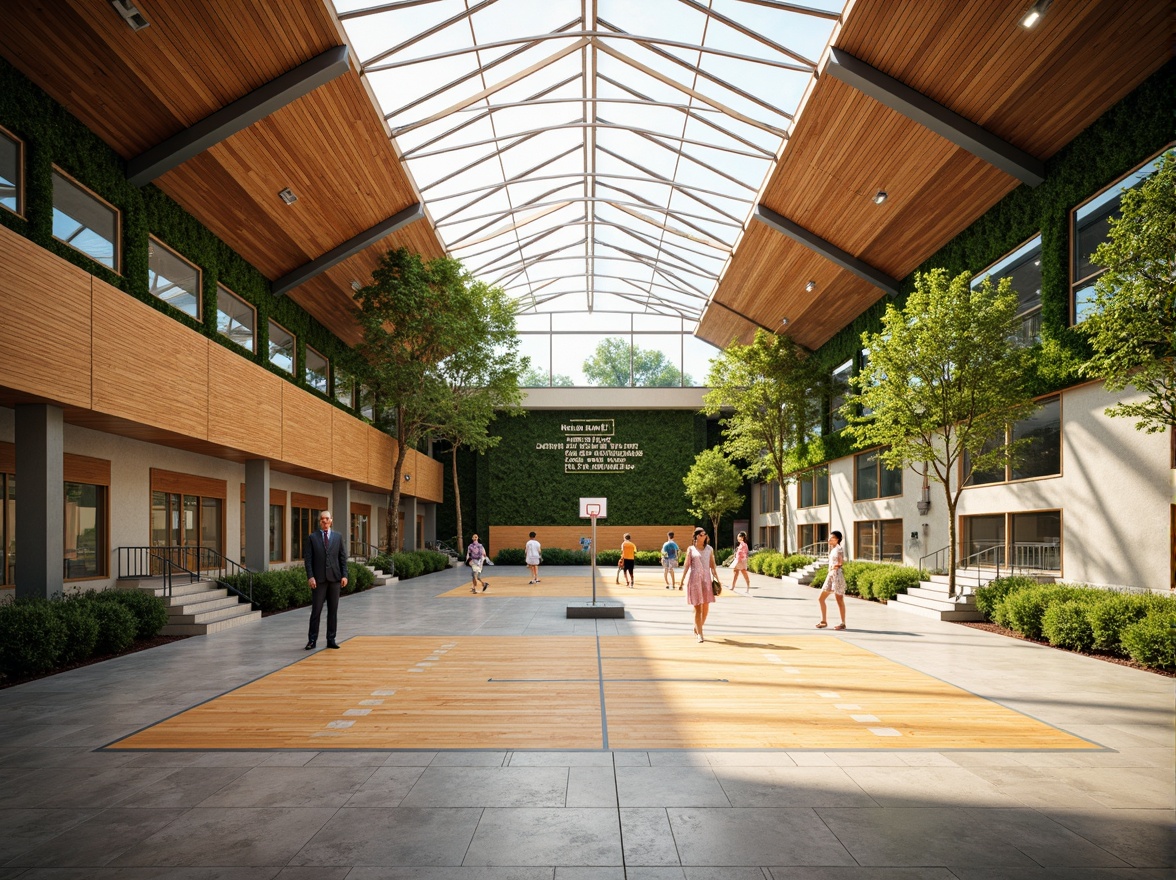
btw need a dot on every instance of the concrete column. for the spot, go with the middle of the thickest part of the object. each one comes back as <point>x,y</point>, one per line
<point>257,493</point>
<point>40,501</point>
<point>341,510</point>
<point>408,504</point>
<point>430,512</point>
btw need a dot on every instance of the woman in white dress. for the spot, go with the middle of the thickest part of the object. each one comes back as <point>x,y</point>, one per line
<point>533,556</point>
<point>834,581</point>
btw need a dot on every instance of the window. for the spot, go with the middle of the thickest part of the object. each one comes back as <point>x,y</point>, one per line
<point>872,479</point>
<point>11,165</point>
<point>85,531</point>
<point>172,278</point>
<point>878,540</point>
<point>234,317</point>
<point>318,370</point>
<point>344,389</point>
<point>1023,269</point>
<point>839,393</point>
<point>1022,542</point>
<point>1089,227</point>
<point>7,528</point>
<point>1041,456</point>
<point>84,222</point>
<point>367,403</point>
<point>304,515</point>
<point>813,488</point>
<point>808,534</point>
<point>277,533</point>
<point>281,348</point>
<point>769,497</point>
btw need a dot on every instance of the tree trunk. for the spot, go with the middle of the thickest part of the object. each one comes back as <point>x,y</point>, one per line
<point>393,525</point>
<point>951,547</point>
<point>457,502</point>
<point>715,529</point>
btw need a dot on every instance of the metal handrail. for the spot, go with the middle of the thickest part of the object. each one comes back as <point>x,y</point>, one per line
<point>817,549</point>
<point>1028,556</point>
<point>196,562</point>
<point>940,557</point>
<point>363,551</point>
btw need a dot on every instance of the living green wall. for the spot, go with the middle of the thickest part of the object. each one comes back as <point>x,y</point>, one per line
<point>53,137</point>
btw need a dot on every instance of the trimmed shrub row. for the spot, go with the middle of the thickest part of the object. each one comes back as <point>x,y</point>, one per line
<point>773,563</point>
<point>39,635</point>
<point>285,588</point>
<point>411,564</point>
<point>552,556</point>
<point>1080,618</point>
<point>881,581</point>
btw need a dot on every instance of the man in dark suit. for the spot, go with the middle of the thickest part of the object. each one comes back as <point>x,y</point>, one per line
<point>326,572</point>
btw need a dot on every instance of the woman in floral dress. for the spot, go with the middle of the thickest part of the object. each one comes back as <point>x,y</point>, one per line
<point>696,576</point>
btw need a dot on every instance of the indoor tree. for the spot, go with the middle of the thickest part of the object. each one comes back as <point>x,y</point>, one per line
<point>613,365</point>
<point>769,394</point>
<point>944,381</point>
<point>1132,325</point>
<point>713,488</point>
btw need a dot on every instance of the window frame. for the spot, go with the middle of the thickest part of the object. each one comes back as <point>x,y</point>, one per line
<point>812,477</point>
<point>1008,469</point>
<point>879,467</point>
<point>271,324</point>
<point>879,524</point>
<point>837,422</point>
<point>1012,260</point>
<point>116,244</point>
<point>20,173</point>
<point>253,328</point>
<point>199,294</point>
<point>307,372</point>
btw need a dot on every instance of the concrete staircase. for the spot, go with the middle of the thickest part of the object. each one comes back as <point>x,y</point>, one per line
<point>803,577</point>
<point>930,598</point>
<point>381,578</point>
<point>197,608</point>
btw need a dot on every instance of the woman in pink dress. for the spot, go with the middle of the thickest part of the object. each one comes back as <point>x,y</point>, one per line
<point>741,563</point>
<point>696,576</point>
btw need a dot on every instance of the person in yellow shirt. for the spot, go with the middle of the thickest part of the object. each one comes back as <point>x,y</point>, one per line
<point>628,559</point>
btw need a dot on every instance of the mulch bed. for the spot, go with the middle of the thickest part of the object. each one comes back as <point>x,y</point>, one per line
<point>1097,655</point>
<point>139,645</point>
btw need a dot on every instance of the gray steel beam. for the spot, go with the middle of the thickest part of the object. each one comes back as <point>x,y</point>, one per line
<point>827,250</point>
<point>944,122</point>
<point>240,114</point>
<point>349,248</point>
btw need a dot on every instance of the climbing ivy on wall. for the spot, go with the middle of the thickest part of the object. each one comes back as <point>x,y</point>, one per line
<point>52,136</point>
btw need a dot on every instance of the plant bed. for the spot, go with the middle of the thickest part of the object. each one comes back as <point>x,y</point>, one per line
<point>1098,655</point>
<point>138,645</point>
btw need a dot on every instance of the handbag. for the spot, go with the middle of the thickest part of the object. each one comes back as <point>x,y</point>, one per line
<point>716,587</point>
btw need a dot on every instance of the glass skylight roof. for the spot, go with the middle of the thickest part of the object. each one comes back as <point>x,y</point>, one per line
<point>591,155</point>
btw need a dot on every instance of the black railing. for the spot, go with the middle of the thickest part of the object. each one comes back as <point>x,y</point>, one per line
<point>362,551</point>
<point>198,563</point>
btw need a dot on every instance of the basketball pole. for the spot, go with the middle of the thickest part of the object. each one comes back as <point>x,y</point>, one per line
<point>592,558</point>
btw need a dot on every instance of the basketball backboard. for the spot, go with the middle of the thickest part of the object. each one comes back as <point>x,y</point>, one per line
<point>593,507</point>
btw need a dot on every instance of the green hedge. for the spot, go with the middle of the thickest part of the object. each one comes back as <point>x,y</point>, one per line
<point>148,610</point>
<point>1152,641</point>
<point>560,556</point>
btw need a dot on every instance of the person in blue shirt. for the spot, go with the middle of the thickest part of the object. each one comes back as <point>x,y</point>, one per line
<point>669,560</point>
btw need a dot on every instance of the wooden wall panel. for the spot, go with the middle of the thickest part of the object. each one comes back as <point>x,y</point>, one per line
<point>568,537</point>
<point>315,502</point>
<point>188,484</point>
<point>84,469</point>
<point>349,446</point>
<point>381,452</point>
<point>427,477</point>
<point>45,324</point>
<point>244,404</point>
<point>148,368</point>
<point>307,423</point>
<point>7,458</point>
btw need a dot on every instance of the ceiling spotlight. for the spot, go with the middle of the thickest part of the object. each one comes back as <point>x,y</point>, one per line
<point>1033,14</point>
<point>811,286</point>
<point>880,196</point>
<point>287,196</point>
<point>130,14</point>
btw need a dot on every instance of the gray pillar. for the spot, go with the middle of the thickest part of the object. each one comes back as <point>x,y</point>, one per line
<point>341,510</point>
<point>257,492</point>
<point>40,501</point>
<point>408,504</point>
<point>430,523</point>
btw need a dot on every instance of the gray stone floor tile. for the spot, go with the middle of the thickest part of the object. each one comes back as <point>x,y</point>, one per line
<point>448,873</point>
<point>573,837</point>
<point>1143,838</point>
<point>51,758</point>
<point>861,873</point>
<point>99,839</point>
<point>409,759</point>
<point>769,836</point>
<point>487,758</point>
<point>288,759</point>
<point>153,873</point>
<point>591,787</point>
<point>316,873</point>
<point>650,872</point>
<point>229,837</point>
<point>599,873</point>
<point>1122,788</point>
<point>22,830</point>
<point>79,788</point>
<point>560,759</point>
<point>1048,843</point>
<point>490,787</point>
<point>647,838</point>
<point>973,872</point>
<point>812,759</point>
<point>290,787</point>
<point>631,759</point>
<point>386,787</point>
<point>792,787</point>
<point>750,759</point>
<point>660,786</point>
<point>348,759</point>
<point>184,787</point>
<point>394,837</point>
<point>928,787</point>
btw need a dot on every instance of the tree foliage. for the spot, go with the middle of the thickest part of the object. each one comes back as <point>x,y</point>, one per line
<point>944,380</point>
<point>712,487</point>
<point>414,314</point>
<point>537,377</point>
<point>770,393</point>
<point>610,366</point>
<point>1132,327</point>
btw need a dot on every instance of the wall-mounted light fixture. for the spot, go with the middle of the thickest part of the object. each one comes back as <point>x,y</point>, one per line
<point>287,196</point>
<point>408,478</point>
<point>783,322</point>
<point>810,287</point>
<point>880,196</point>
<point>1034,13</point>
<point>130,14</point>
<point>355,285</point>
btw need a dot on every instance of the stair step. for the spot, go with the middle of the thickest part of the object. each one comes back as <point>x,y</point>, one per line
<point>210,616</point>
<point>936,614</point>
<point>201,604</point>
<point>202,629</point>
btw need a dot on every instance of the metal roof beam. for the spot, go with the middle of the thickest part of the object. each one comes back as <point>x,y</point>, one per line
<point>829,251</point>
<point>349,248</point>
<point>239,115</point>
<point>946,123</point>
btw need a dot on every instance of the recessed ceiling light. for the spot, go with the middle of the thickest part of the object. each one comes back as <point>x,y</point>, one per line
<point>130,14</point>
<point>811,286</point>
<point>1033,14</point>
<point>287,196</point>
<point>880,196</point>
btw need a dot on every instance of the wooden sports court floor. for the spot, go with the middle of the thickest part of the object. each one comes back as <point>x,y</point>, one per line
<point>648,582</point>
<point>599,692</point>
